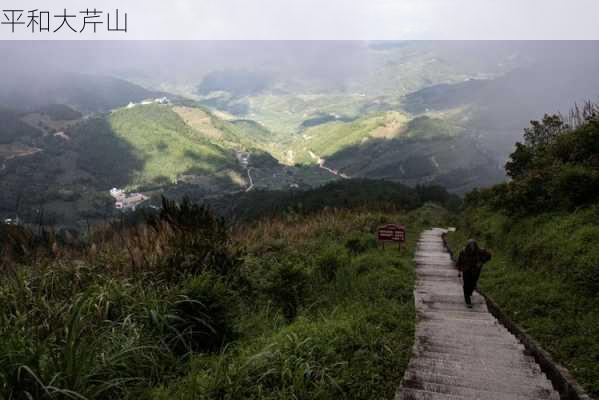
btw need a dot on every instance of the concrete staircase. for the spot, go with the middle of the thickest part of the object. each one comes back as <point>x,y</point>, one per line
<point>462,353</point>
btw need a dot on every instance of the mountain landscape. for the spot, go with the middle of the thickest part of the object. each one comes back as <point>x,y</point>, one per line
<point>410,112</point>
<point>204,220</point>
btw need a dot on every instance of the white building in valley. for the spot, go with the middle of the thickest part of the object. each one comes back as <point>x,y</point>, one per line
<point>124,201</point>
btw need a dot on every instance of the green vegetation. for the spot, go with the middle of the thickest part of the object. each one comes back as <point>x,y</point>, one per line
<point>180,306</point>
<point>542,229</point>
<point>378,137</point>
<point>60,112</point>
<point>12,128</point>
<point>346,194</point>
<point>557,168</point>
<point>165,144</point>
<point>427,127</point>
<point>544,276</point>
<point>326,139</point>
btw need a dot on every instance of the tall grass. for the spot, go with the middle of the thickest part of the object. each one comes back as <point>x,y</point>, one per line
<point>183,306</point>
<point>544,274</point>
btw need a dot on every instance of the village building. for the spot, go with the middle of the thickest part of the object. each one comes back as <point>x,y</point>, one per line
<point>125,201</point>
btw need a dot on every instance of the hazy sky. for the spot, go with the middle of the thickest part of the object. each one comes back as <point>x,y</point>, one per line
<point>190,60</point>
<point>336,19</point>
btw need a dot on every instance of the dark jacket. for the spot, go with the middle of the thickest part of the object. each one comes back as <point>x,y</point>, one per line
<point>472,258</point>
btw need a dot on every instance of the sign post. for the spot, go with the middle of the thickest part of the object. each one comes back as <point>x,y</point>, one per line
<point>392,233</point>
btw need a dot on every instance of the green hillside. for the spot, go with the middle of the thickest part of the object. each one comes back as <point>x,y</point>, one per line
<point>342,194</point>
<point>83,92</point>
<point>13,129</point>
<point>542,229</point>
<point>425,127</point>
<point>166,146</point>
<point>185,305</point>
<point>326,139</point>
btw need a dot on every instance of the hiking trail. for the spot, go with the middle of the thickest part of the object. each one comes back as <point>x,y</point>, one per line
<point>461,353</point>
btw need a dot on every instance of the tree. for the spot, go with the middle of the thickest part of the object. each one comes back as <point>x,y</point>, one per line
<point>540,134</point>
<point>520,161</point>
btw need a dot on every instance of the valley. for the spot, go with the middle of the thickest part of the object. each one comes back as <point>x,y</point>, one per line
<point>415,113</point>
<point>209,219</point>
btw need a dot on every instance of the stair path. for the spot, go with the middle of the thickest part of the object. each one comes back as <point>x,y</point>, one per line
<point>462,353</point>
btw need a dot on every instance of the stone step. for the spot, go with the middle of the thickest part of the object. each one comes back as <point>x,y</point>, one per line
<point>457,332</point>
<point>462,353</point>
<point>461,326</point>
<point>505,384</point>
<point>457,315</point>
<point>483,337</point>
<point>460,368</point>
<point>499,352</point>
<point>518,361</point>
<point>441,306</point>
<point>414,394</point>
<point>473,341</point>
<point>455,298</point>
<point>473,393</point>
<point>467,344</point>
<point>437,260</point>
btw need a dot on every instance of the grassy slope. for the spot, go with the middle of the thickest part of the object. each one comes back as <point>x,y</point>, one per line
<point>330,138</point>
<point>326,139</point>
<point>539,274</point>
<point>239,134</point>
<point>167,146</point>
<point>426,127</point>
<point>354,331</point>
<point>285,113</point>
<point>99,324</point>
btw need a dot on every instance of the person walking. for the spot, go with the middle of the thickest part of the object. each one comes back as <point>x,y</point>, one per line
<point>470,263</point>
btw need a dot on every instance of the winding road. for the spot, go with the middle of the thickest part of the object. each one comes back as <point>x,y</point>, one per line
<point>321,162</point>
<point>251,180</point>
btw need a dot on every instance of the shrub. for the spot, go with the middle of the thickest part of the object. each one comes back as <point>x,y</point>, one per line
<point>287,286</point>
<point>556,168</point>
<point>372,261</point>
<point>574,185</point>
<point>330,260</point>
<point>200,317</point>
<point>195,241</point>
<point>360,242</point>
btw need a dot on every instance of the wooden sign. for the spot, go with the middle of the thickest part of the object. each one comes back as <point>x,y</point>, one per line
<point>391,233</point>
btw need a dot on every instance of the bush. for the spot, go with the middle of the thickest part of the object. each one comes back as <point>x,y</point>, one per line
<point>360,242</point>
<point>200,318</point>
<point>373,261</point>
<point>556,169</point>
<point>287,286</point>
<point>195,241</point>
<point>574,186</point>
<point>331,259</point>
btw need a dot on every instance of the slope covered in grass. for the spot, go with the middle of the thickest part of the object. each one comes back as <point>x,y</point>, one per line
<point>542,227</point>
<point>326,139</point>
<point>182,306</point>
<point>166,145</point>
<point>544,276</point>
<point>333,316</point>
